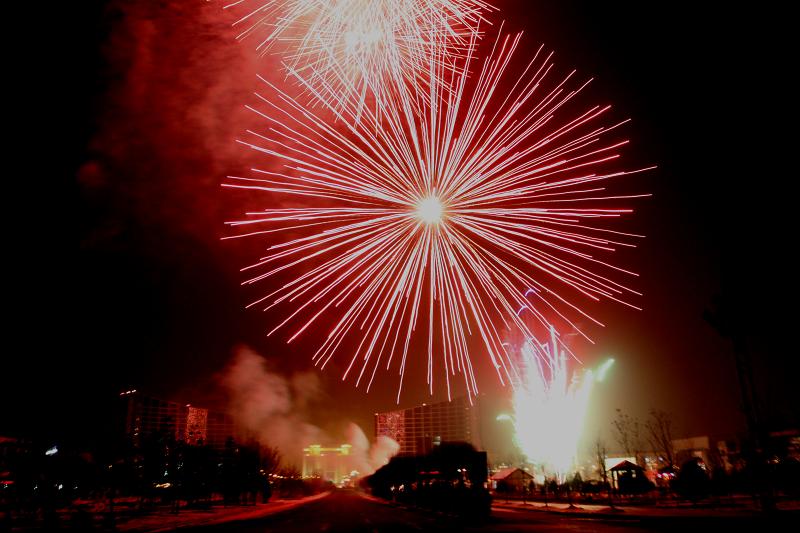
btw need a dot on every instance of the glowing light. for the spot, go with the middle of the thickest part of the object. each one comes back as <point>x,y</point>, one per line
<point>520,197</point>
<point>430,210</point>
<point>550,407</point>
<point>604,368</point>
<point>350,52</point>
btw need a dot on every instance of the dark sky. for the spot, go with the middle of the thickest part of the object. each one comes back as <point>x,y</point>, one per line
<point>123,121</point>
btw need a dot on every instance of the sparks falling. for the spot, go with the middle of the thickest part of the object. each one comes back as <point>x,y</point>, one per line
<point>346,52</point>
<point>421,231</point>
<point>550,405</point>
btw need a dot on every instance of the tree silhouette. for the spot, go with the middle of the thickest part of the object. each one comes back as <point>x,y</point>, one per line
<point>659,428</point>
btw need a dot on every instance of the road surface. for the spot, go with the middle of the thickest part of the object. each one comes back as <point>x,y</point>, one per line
<point>347,511</point>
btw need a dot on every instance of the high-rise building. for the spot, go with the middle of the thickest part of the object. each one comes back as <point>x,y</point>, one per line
<point>146,416</point>
<point>418,429</point>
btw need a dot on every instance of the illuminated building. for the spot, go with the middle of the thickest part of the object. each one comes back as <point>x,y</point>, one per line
<point>330,464</point>
<point>146,416</point>
<point>418,429</point>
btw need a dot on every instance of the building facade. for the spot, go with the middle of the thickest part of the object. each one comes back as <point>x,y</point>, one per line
<point>418,429</point>
<point>146,416</point>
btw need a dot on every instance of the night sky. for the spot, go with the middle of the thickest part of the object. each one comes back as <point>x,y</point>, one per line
<point>124,118</point>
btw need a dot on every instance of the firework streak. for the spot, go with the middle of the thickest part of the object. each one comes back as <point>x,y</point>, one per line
<point>427,225</point>
<point>347,51</point>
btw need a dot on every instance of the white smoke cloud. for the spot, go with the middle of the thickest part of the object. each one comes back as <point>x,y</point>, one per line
<point>274,409</point>
<point>269,406</point>
<point>366,457</point>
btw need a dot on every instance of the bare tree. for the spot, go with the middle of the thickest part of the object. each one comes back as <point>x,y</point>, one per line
<point>659,428</point>
<point>627,431</point>
<point>601,453</point>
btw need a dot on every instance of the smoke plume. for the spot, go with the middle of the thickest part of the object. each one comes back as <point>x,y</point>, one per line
<point>275,410</point>
<point>368,458</point>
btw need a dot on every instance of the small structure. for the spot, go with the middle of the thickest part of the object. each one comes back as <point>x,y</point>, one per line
<point>511,480</point>
<point>629,478</point>
<point>329,464</point>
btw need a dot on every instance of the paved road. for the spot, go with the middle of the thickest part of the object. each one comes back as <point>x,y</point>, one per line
<point>346,511</point>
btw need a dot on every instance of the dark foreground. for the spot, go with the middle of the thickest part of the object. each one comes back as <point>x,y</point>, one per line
<point>346,511</point>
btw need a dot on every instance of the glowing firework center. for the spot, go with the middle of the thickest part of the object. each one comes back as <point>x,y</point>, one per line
<point>430,210</point>
<point>358,40</point>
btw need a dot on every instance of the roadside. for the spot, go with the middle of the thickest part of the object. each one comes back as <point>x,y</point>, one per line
<point>788,510</point>
<point>165,521</point>
<point>637,512</point>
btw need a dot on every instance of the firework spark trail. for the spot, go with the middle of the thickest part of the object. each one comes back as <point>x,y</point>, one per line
<point>346,52</point>
<point>431,221</point>
<point>550,406</point>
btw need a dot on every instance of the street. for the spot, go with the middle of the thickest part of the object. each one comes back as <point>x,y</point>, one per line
<point>347,511</point>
